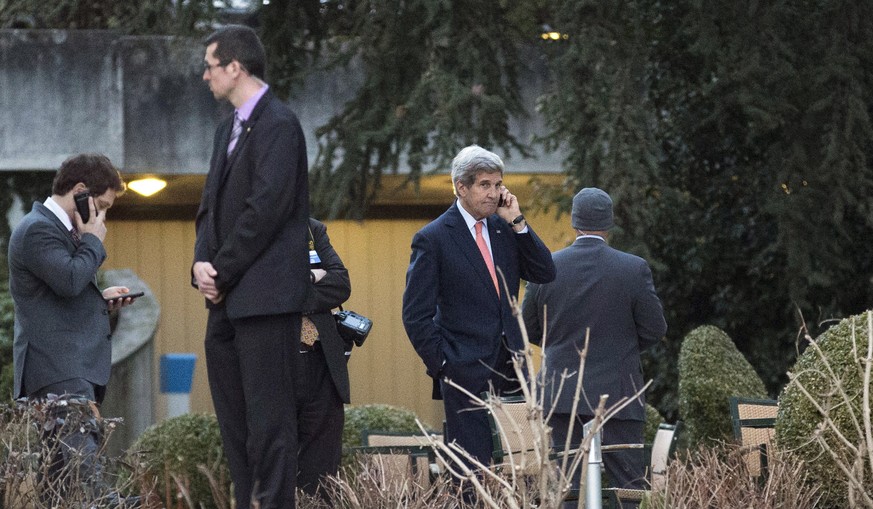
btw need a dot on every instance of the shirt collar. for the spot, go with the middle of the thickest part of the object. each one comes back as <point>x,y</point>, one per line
<point>56,209</point>
<point>468,218</point>
<point>587,236</point>
<point>245,111</point>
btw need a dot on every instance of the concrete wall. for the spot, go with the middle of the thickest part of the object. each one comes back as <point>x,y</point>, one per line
<point>141,101</point>
<point>129,394</point>
<point>60,93</point>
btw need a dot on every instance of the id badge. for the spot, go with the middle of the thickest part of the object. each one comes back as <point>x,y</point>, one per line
<point>313,257</point>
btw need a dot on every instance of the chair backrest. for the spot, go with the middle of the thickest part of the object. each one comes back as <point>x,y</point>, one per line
<point>402,456</point>
<point>663,448</point>
<point>513,435</point>
<point>754,422</point>
<point>388,439</point>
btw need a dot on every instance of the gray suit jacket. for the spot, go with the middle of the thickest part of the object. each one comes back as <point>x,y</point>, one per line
<point>612,293</point>
<point>61,320</point>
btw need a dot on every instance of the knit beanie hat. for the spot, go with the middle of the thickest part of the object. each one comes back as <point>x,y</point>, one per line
<point>592,210</point>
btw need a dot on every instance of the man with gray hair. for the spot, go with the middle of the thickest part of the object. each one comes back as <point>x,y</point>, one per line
<point>610,293</point>
<point>456,311</point>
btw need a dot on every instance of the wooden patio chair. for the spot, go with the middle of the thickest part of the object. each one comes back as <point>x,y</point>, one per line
<point>754,425</point>
<point>516,447</point>
<point>403,457</point>
<point>516,442</point>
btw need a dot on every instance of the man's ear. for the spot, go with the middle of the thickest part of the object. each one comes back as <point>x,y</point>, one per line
<point>79,187</point>
<point>235,68</point>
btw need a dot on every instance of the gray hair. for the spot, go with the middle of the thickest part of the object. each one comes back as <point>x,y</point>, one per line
<point>472,161</point>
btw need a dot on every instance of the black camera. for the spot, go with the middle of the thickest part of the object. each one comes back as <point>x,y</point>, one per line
<point>352,326</point>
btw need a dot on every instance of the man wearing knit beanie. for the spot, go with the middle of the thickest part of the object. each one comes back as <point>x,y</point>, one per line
<point>611,294</point>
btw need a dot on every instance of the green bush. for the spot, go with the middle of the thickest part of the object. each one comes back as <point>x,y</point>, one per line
<point>178,447</point>
<point>711,370</point>
<point>653,420</point>
<point>7,317</point>
<point>376,417</point>
<point>373,417</point>
<point>844,346</point>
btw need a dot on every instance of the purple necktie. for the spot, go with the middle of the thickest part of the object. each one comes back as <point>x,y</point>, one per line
<point>234,132</point>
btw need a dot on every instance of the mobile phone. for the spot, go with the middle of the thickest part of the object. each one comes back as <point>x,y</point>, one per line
<point>126,295</point>
<point>82,205</point>
<point>500,200</point>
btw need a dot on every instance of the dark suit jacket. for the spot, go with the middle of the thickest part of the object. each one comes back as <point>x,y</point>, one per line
<point>330,292</point>
<point>612,293</point>
<point>61,319</point>
<point>450,309</point>
<point>253,216</point>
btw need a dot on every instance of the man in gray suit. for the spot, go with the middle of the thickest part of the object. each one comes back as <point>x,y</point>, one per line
<point>610,293</point>
<point>61,317</point>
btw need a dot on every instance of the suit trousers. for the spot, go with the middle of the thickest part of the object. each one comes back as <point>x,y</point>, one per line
<point>468,425</point>
<point>320,419</point>
<point>625,468</point>
<point>250,364</point>
<point>72,452</point>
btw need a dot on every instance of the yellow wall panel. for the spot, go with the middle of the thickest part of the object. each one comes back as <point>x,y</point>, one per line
<point>376,252</point>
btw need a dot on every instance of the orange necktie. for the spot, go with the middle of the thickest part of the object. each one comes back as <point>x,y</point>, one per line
<point>483,248</point>
<point>308,332</point>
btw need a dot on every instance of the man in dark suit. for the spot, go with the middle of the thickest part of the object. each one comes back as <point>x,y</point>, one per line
<point>251,265</point>
<point>322,376</point>
<point>610,293</point>
<point>456,312</point>
<point>62,336</point>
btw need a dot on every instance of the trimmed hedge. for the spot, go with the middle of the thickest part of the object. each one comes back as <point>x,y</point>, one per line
<point>653,421</point>
<point>376,417</point>
<point>178,446</point>
<point>798,420</point>
<point>711,370</point>
<point>7,317</point>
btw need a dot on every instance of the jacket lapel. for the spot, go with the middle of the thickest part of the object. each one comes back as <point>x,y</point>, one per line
<point>220,164</point>
<point>247,127</point>
<point>46,212</point>
<point>226,127</point>
<point>467,245</point>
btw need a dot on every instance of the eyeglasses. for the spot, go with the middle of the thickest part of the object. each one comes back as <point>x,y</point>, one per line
<point>207,67</point>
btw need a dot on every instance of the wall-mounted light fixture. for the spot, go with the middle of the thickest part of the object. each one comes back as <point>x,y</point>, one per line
<point>147,186</point>
<point>549,34</point>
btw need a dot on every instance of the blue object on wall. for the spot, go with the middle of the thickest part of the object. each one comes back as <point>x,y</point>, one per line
<point>177,372</point>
